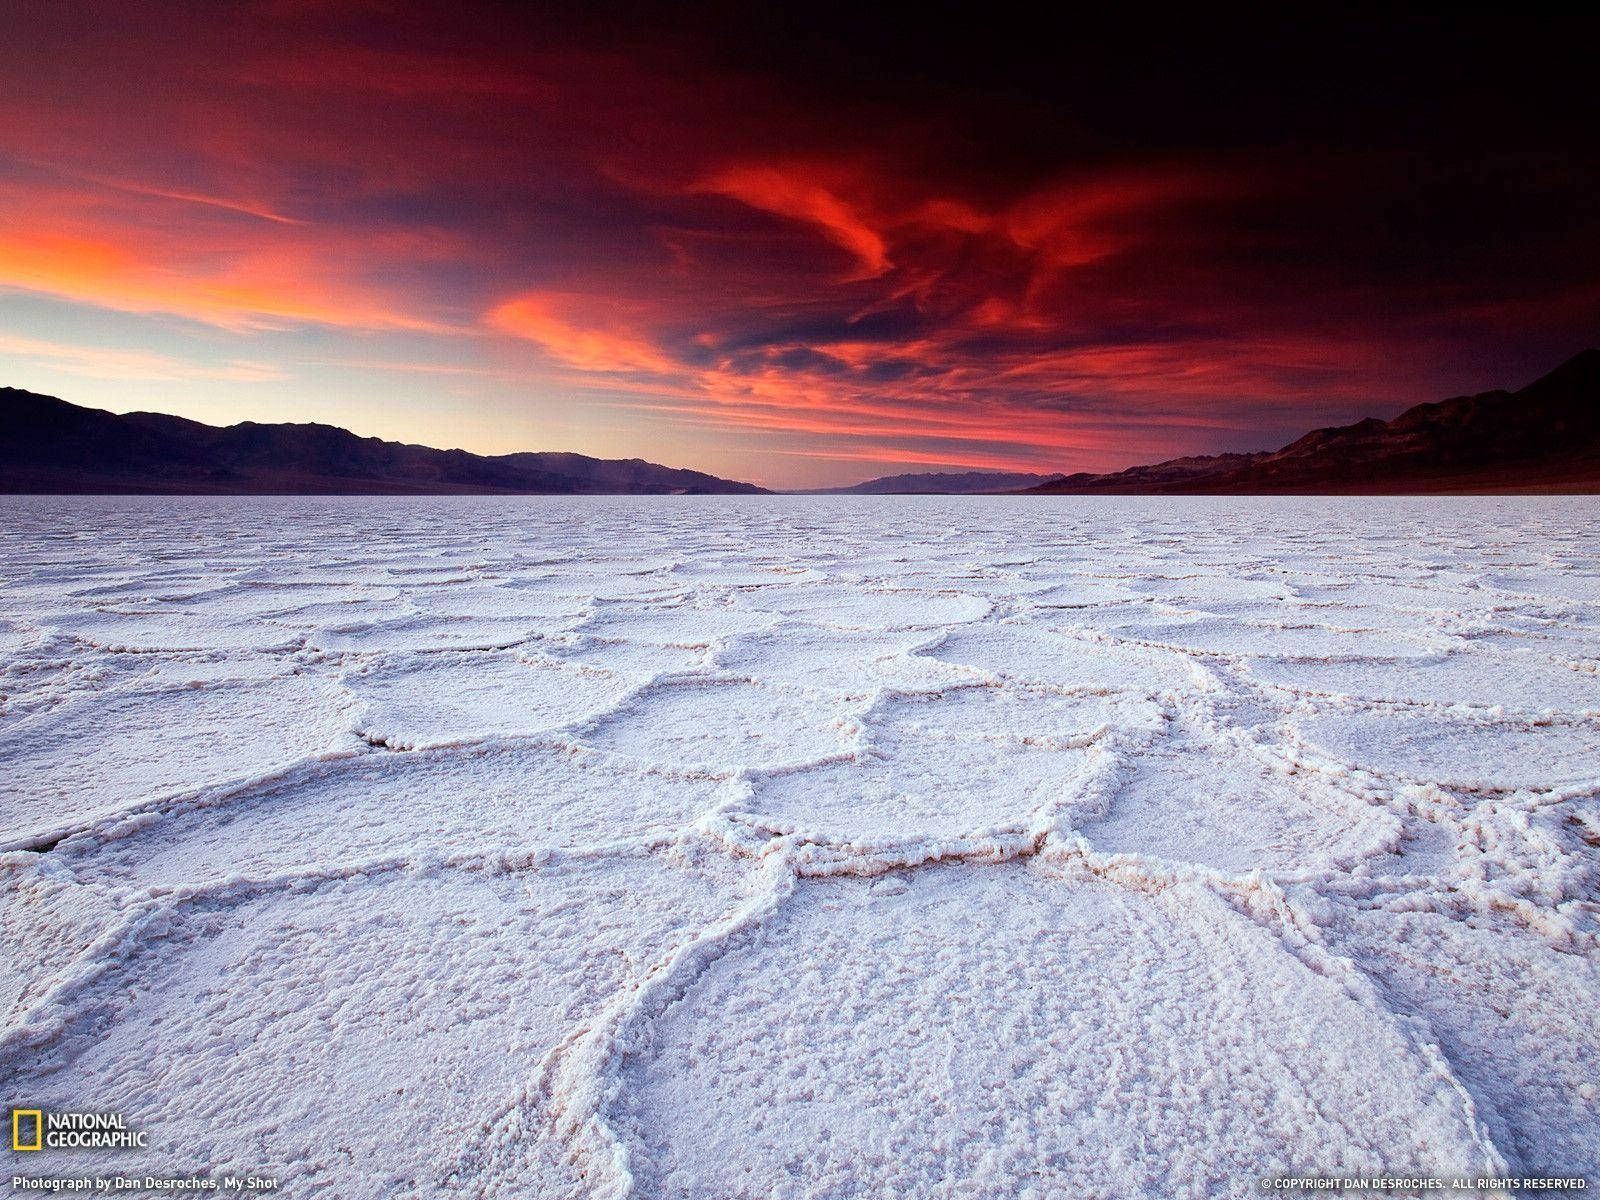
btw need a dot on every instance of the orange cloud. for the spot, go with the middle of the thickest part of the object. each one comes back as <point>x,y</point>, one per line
<point>577,341</point>
<point>129,261</point>
<point>785,193</point>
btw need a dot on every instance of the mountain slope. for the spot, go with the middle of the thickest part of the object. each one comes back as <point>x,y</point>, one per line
<point>1545,437</point>
<point>48,445</point>
<point>953,482</point>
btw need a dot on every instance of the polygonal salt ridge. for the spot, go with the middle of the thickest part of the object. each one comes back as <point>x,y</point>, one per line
<point>166,630</point>
<point>427,632</point>
<point>744,578</point>
<point>855,662</point>
<point>1514,1018</point>
<point>990,580</point>
<point>978,771</point>
<point>126,749</point>
<point>725,725</point>
<point>32,684</point>
<point>28,590</point>
<point>1001,713</point>
<point>629,574</point>
<point>672,624</point>
<point>844,606</point>
<point>1021,651</point>
<point>563,1108</point>
<point>309,577</point>
<point>1232,702</point>
<point>1560,640</point>
<point>1389,593</point>
<point>1030,985</point>
<point>497,601</point>
<point>953,798</point>
<point>1452,748</point>
<point>1229,801</point>
<point>274,599</point>
<point>424,577</point>
<point>1293,637</point>
<point>46,609</point>
<point>1547,586</point>
<point>1423,857</point>
<point>442,699</point>
<point>1522,850</point>
<point>18,636</point>
<point>1528,683</point>
<point>640,660</point>
<point>1447,628</point>
<point>510,802</point>
<point>1212,588</point>
<point>53,930</point>
<point>488,974</point>
<point>1058,627</point>
<point>219,667</point>
<point>312,615</point>
<point>589,582</point>
<point>1444,847</point>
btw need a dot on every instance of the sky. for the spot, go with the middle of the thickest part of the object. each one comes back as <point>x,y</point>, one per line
<point>798,248</point>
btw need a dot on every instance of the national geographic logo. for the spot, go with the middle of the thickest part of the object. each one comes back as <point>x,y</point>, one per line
<point>22,1140</point>
<point>56,1129</point>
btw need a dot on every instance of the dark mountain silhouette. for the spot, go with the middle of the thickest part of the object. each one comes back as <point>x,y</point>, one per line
<point>48,445</point>
<point>957,482</point>
<point>1544,438</point>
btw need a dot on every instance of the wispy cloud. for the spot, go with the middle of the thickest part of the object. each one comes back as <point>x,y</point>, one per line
<point>102,362</point>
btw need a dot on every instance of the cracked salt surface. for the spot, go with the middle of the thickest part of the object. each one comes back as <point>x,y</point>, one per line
<point>804,847</point>
<point>452,698</point>
<point>1005,1024</point>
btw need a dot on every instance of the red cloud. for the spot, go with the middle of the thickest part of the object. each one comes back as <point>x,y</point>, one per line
<point>786,192</point>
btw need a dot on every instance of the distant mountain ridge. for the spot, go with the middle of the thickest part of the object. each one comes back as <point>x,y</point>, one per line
<point>50,446</point>
<point>1543,438</point>
<point>951,482</point>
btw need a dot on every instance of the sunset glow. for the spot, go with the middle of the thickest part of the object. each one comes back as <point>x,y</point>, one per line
<point>626,241</point>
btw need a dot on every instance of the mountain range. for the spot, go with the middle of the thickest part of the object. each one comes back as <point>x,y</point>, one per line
<point>1543,438</point>
<point>947,483</point>
<point>48,445</point>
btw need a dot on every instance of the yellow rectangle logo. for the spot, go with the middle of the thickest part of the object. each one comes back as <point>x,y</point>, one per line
<point>16,1129</point>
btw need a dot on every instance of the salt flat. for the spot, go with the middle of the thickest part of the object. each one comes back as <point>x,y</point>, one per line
<point>804,847</point>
